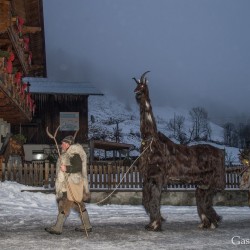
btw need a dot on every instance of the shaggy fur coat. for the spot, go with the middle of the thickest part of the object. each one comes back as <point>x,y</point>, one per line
<point>245,180</point>
<point>76,178</point>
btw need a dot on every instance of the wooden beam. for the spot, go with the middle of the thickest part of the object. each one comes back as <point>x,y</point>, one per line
<point>36,67</point>
<point>30,29</point>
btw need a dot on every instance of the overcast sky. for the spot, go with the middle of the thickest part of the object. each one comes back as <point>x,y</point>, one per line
<point>198,51</point>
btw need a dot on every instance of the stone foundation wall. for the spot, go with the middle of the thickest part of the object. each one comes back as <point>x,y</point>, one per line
<point>171,197</point>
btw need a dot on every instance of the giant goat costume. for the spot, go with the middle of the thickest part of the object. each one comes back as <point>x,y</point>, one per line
<point>168,163</point>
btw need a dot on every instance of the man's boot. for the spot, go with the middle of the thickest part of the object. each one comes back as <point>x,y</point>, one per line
<point>86,221</point>
<point>57,228</point>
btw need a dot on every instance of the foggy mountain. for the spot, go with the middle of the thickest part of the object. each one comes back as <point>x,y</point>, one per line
<point>107,113</point>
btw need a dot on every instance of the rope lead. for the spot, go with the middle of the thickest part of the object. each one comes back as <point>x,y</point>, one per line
<point>125,174</point>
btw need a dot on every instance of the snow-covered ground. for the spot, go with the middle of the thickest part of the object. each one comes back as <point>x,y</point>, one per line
<point>24,215</point>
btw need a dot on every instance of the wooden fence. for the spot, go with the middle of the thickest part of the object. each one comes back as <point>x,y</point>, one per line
<point>102,176</point>
<point>37,174</point>
<point>107,176</point>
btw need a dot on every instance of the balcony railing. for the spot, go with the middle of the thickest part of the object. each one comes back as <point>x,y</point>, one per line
<point>15,91</point>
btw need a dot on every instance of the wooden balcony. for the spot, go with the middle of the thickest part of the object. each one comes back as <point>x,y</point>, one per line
<point>15,106</point>
<point>22,50</point>
<point>15,40</point>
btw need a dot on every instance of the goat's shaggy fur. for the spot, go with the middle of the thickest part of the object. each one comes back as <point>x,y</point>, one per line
<point>165,162</point>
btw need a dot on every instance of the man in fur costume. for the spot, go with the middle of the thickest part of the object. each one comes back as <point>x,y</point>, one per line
<point>71,184</point>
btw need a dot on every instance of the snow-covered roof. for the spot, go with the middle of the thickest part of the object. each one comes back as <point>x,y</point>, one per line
<point>46,86</point>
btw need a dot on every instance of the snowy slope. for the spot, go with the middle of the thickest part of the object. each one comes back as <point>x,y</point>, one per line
<point>105,110</point>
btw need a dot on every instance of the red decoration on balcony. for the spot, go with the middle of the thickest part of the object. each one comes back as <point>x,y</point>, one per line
<point>18,78</point>
<point>24,86</point>
<point>9,67</point>
<point>28,99</point>
<point>33,108</point>
<point>26,42</point>
<point>20,23</point>
<point>31,104</point>
<point>30,58</point>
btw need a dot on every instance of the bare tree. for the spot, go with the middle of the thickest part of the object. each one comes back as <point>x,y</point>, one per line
<point>244,135</point>
<point>200,129</point>
<point>230,134</point>
<point>117,132</point>
<point>176,126</point>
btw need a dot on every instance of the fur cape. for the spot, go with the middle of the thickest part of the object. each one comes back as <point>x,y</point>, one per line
<point>76,178</point>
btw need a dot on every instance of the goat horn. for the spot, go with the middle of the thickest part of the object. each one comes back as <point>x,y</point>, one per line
<point>143,75</point>
<point>136,80</point>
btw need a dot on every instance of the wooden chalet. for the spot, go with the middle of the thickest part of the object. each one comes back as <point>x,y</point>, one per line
<point>22,53</point>
<point>53,98</point>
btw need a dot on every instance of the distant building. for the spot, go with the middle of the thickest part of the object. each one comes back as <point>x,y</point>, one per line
<point>57,102</point>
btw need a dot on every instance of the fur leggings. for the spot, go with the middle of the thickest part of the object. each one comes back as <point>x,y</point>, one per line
<point>64,205</point>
